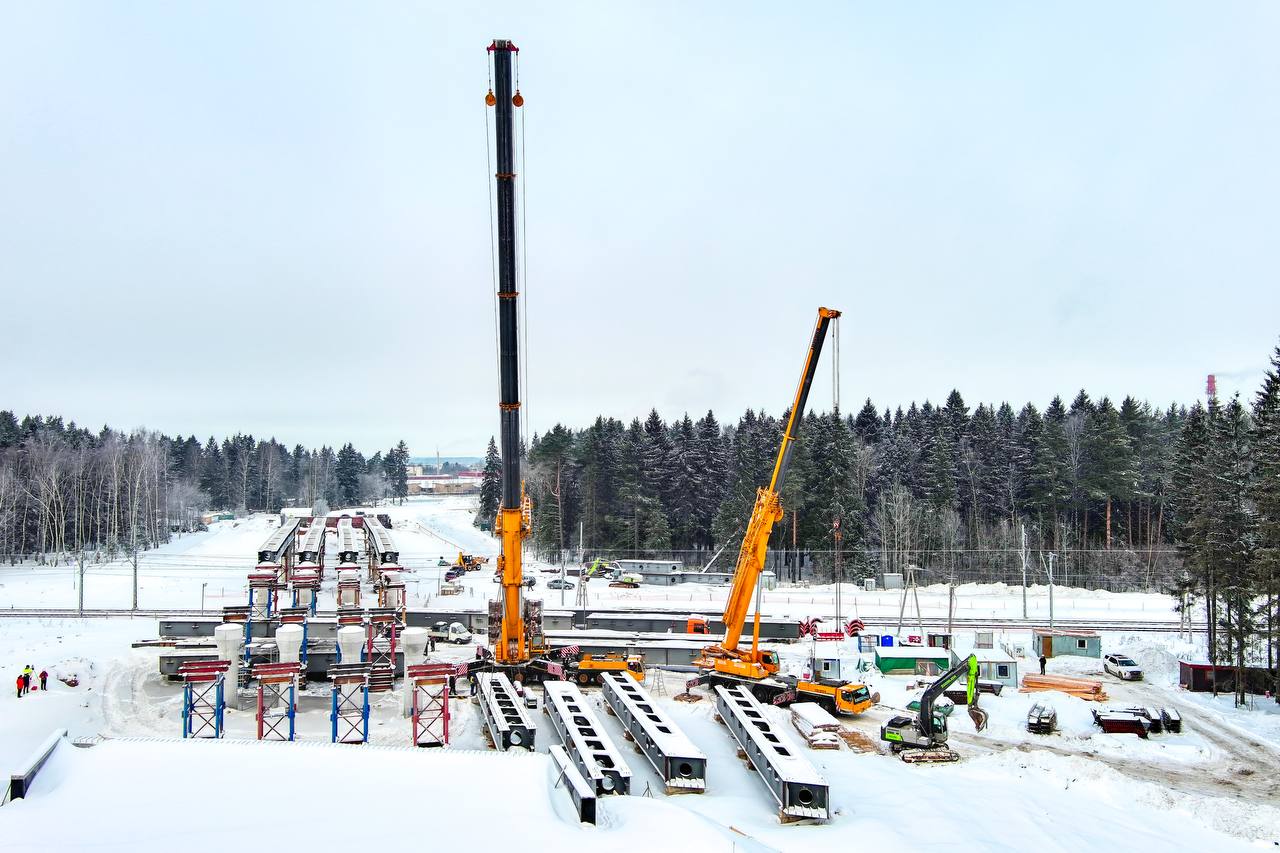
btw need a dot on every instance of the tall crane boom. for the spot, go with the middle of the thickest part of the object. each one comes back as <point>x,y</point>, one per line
<point>768,507</point>
<point>513,516</point>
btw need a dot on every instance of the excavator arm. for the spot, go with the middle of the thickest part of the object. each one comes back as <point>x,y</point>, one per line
<point>768,509</point>
<point>965,668</point>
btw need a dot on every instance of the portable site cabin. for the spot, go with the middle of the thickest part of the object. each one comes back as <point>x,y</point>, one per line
<point>912,660</point>
<point>1052,642</point>
<point>1202,676</point>
<point>994,664</point>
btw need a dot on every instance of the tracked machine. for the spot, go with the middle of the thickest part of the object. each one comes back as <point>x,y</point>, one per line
<point>725,664</point>
<point>923,738</point>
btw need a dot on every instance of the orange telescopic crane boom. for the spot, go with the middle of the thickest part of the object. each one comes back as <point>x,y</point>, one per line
<point>726,656</point>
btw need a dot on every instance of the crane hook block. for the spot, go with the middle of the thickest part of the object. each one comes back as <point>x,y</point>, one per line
<point>517,99</point>
<point>490,99</point>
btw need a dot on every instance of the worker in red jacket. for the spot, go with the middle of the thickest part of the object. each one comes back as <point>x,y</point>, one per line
<point>21,680</point>
<point>44,680</point>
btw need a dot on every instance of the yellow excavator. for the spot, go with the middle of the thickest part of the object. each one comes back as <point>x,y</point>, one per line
<point>726,663</point>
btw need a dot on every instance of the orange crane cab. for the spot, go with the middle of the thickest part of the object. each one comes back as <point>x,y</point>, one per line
<point>589,668</point>
<point>725,662</point>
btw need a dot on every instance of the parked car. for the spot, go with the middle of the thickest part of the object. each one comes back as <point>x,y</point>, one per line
<point>529,582</point>
<point>1122,667</point>
<point>557,583</point>
<point>454,573</point>
<point>450,632</point>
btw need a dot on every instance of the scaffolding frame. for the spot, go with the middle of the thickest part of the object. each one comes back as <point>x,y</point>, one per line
<point>309,585</point>
<point>349,593</point>
<point>350,708</point>
<point>277,686</point>
<point>263,594</point>
<point>382,631</point>
<point>429,715</point>
<point>203,701</point>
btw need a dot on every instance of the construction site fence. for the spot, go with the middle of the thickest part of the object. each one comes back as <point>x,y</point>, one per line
<point>1115,570</point>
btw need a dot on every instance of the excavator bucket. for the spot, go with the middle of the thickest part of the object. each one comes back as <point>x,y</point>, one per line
<point>979,718</point>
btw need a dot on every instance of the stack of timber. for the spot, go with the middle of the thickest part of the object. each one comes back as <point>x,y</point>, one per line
<point>819,729</point>
<point>1083,688</point>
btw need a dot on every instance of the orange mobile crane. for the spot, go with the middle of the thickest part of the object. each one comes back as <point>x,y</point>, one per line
<point>727,664</point>
<point>516,623</point>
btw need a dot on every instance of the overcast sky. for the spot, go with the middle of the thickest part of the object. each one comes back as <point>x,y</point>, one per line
<point>271,217</point>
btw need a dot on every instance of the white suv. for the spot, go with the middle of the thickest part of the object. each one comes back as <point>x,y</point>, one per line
<point>1122,667</point>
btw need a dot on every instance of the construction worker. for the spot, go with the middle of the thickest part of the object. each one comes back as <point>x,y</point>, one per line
<point>1042,662</point>
<point>44,680</point>
<point>20,679</point>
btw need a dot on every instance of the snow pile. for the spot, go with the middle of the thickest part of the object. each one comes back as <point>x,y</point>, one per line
<point>124,797</point>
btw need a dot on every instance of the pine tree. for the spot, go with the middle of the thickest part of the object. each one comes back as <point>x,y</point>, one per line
<point>1110,471</point>
<point>938,485</point>
<point>688,482</point>
<point>1265,493</point>
<point>396,468</point>
<point>1230,535</point>
<point>867,423</point>
<point>710,459</point>
<point>9,430</point>
<point>659,462</point>
<point>347,474</point>
<point>213,475</point>
<point>490,487</point>
<point>753,448</point>
<point>1189,514</point>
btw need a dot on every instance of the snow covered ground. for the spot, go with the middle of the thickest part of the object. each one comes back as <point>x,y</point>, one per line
<point>213,566</point>
<point>1216,786</point>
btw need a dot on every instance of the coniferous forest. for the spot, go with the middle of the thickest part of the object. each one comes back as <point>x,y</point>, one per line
<point>1123,496</point>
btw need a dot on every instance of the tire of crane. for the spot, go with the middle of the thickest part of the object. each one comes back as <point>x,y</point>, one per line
<point>584,678</point>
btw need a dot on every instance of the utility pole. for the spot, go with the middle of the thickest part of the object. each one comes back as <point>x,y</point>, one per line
<point>795,521</point>
<point>1023,554</point>
<point>839,537</point>
<point>80,601</point>
<point>1049,572</point>
<point>135,579</point>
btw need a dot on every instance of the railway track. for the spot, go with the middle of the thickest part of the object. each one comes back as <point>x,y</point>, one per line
<point>874,624</point>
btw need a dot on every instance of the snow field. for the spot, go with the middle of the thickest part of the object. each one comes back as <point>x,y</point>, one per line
<point>1011,791</point>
